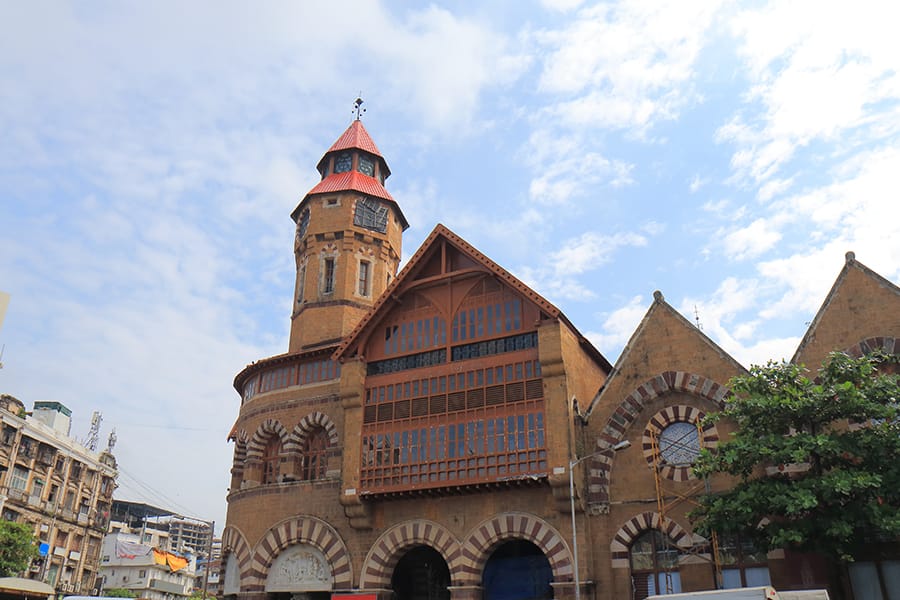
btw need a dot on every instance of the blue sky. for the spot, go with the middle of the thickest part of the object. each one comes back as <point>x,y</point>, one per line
<point>726,153</point>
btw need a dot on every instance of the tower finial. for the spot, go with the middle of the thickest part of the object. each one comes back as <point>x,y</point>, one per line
<point>357,106</point>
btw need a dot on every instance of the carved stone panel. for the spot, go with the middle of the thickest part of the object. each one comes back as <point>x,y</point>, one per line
<point>300,568</point>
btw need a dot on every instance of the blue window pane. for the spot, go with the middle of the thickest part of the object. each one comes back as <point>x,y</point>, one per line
<point>757,576</point>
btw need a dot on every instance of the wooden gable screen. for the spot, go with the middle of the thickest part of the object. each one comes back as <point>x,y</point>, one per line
<point>454,394</point>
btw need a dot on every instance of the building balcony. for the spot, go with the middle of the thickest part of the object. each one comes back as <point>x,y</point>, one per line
<point>167,587</point>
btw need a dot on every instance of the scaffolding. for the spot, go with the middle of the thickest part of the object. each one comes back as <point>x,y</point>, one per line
<point>672,494</point>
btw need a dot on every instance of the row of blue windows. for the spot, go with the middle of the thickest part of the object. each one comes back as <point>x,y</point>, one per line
<point>476,438</point>
<point>508,344</point>
<point>492,319</point>
<point>476,378</point>
<point>415,335</point>
<point>513,343</point>
<point>468,324</point>
<point>282,377</point>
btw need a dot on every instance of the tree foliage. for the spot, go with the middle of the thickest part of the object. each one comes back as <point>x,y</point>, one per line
<point>840,435</point>
<point>119,593</point>
<point>17,547</point>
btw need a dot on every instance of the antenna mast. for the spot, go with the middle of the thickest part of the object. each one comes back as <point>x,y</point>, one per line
<point>94,434</point>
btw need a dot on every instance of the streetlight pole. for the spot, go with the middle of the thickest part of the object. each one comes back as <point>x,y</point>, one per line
<point>572,464</point>
<point>212,531</point>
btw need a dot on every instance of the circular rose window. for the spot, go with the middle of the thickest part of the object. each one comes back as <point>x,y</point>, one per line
<point>679,444</point>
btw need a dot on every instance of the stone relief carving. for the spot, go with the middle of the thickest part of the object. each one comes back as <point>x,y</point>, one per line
<point>299,568</point>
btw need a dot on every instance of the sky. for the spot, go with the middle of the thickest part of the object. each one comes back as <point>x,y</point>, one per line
<point>726,153</point>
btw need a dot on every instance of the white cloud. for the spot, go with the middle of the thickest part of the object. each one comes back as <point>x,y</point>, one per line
<point>619,325</point>
<point>751,240</point>
<point>568,169</point>
<point>820,71</point>
<point>696,183</point>
<point>722,317</point>
<point>772,188</point>
<point>625,65</point>
<point>561,5</point>
<point>560,274</point>
<point>590,250</point>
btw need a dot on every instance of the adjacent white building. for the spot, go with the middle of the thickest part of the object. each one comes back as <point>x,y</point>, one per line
<point>143,567</point>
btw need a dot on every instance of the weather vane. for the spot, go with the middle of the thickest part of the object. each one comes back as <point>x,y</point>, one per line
<point>357,106</point>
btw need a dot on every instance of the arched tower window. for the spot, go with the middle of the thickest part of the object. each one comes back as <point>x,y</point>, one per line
<point>315,455</point>
<point>654,565</point>
<point>271,459</point>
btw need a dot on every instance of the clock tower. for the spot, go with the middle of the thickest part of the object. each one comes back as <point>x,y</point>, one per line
<point>348,242</point>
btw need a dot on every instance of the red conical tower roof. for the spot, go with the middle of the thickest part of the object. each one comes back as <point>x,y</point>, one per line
<point>354,138</point>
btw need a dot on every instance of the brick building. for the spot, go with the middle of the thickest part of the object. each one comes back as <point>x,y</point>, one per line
<point>418,437</point>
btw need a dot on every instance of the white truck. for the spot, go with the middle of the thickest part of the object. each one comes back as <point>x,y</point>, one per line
<point>754,593</point>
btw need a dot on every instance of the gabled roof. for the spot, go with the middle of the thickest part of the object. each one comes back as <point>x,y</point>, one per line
<point>654,312</point>
<point>849,263</point>
<point>420,259</point>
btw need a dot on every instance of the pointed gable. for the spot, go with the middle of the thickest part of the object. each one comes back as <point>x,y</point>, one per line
<point>860,313</point>
<point>668,347</point>
<point>446,258</point>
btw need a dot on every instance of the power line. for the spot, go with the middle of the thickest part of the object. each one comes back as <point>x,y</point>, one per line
<point>154,495</point>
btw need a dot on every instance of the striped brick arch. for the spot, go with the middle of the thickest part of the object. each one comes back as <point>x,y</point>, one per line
<point>307,424</point>
<point>482,541</point>
<point>886,344</point>
<point>627,412</point>
<point>235,544</point>
<point>709,437</point>
<point>620,547</point>
<point>301,530</point>
<point>240,453</point>
<point>387,550</point>
<point>267,429</point>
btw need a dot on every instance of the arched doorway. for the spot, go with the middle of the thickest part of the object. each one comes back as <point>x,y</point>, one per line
<point>517,570</point>
<point>421,574</point>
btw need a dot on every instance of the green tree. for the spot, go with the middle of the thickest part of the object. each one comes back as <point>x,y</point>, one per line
<point>17,547</point>
<point>840,432</point>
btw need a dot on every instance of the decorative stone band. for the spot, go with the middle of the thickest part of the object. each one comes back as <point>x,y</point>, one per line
<point>620,547</point>
<point>627,412</point>
<point>299,530</point>
<point>708,438</point>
